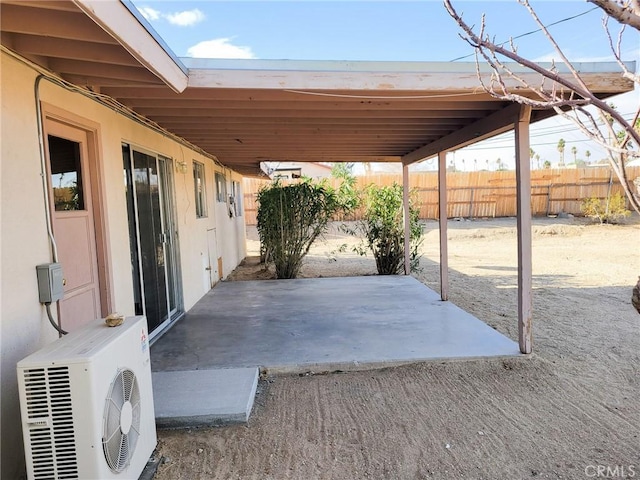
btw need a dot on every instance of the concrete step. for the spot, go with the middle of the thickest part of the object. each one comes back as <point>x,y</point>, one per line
<point>197,398</point>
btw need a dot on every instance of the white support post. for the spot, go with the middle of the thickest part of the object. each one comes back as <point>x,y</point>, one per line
<point>442,226</point>
<point>407,219</point>
<point>523,199</point>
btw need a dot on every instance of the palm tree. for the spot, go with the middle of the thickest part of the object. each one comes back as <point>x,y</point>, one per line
<point>561,144</point>
<point>587,154</point>
<point>475,164</point>
<point>532,155</point>
<point>538,160</point>
<point>488,164</point>
<point>574,152</point>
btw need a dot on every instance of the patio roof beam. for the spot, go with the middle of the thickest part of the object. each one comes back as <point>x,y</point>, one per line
<point>101,70</point>
<point>523,199</point>
<point>337,158</point>
<point>406,96</point>
<point>212,111</point>
<point>256,123</point>
<point>94,81</point>
<point>72,50</point>
<point>494,124</point>
<point>365,134</point>
<point>23,18</point>
<point>333,105</point>
<point>364,145</point>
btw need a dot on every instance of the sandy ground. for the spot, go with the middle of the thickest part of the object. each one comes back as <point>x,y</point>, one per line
<point>571,410</point>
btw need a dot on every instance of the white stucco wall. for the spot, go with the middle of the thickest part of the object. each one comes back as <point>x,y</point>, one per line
<point>229,229</point>
<point>23,237</point>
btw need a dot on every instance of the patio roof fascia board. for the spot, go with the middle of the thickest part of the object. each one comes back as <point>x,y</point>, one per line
<point>192,63</point>
<point>498,122</point>
<point>122,21</point>
<point>367,76</point>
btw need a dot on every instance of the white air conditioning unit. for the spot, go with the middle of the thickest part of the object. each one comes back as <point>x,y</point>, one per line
<point>87,404</point>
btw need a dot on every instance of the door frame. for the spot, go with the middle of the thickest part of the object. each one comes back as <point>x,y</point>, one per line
<point>95,164</point>
<point>169,196</point>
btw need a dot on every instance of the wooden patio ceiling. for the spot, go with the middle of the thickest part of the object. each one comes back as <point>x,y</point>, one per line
<point>247,112</point>
<point>243,127</point>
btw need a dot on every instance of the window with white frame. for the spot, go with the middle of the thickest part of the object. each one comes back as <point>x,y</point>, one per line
<point>221,187</point>
<point>237,198</point>
<point>199,189</point>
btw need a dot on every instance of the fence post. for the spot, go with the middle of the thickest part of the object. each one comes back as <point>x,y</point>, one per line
<point>609,191</point>
<point>549,198</point>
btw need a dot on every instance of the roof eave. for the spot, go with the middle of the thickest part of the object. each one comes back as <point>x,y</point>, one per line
<point>124,25</point>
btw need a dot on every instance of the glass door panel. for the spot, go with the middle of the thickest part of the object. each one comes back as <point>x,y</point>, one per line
<point>151,238</point>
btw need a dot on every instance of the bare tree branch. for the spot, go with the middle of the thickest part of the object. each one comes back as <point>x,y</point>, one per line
<point>566,95</point>
<point>625,12</point>
<point>617,49</point>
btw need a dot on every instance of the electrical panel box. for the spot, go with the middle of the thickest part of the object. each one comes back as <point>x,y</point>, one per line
<point>50,282</point>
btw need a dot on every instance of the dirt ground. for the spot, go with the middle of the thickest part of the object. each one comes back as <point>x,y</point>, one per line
<point>571,410</point>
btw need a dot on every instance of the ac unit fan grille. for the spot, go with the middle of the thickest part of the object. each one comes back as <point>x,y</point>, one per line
<point>51,429</point>
<point>118,444</point>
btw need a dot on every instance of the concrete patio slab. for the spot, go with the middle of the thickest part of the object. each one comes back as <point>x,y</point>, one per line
<point>198,398</point>
<point>324,324</point>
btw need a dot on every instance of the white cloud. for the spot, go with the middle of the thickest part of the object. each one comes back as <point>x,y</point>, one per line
<point>219,48</point>
<point>185,18</point>
<point>149,13</point>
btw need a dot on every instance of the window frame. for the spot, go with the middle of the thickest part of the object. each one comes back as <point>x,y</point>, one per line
<point>221,187</point>
<point>237,198</point>
<point>200,194</point>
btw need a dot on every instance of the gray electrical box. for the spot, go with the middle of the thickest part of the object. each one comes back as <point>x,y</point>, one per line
<point>50,282</point>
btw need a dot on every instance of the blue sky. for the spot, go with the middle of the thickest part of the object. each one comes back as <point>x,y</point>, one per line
<point>379,30</point>
<point>366,30</point>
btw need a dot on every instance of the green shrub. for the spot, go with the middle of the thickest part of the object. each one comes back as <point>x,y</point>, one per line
<point>347,193</point>
<point>290,218</point>
<point>610,210</point>
<point>383,229</point>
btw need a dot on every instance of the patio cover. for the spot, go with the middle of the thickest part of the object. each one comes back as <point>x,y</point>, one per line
<point>244,112</point>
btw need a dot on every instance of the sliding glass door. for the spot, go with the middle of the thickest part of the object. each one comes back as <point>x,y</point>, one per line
<point>152,237</point>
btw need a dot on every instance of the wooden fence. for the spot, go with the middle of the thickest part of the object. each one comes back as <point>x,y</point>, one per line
<point>488,194</point>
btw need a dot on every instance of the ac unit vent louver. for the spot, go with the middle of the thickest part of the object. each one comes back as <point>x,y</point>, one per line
<point>50,418</point>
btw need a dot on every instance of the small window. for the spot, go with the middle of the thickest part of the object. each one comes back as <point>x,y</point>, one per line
<point>199,188</point>
<point>221,188</point>
<point>66,174</point>
<point>237,197</point>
